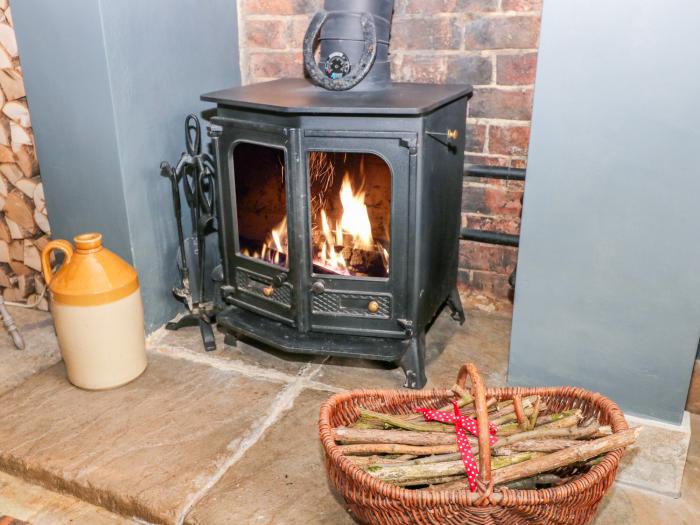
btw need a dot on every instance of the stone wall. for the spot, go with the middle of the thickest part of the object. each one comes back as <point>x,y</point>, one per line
<point>24,224</point>
<point>491,44</point>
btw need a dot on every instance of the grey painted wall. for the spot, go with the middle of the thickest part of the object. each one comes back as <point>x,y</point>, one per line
<point>69,95</point>
<point>108,86</point>
<point>608,288</point>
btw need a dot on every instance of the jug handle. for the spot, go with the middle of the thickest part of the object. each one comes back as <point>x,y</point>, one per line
<point>60,245</point>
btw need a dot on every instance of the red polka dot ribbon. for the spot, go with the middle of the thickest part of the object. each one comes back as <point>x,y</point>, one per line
<point>462,425</point>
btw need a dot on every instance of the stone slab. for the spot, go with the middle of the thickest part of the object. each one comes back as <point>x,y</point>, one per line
<point>189,339</point>
<point>483,339</point>
<point>39,506</point>
<point>657,460</point>
<point>280,480</point>
<point>625,505</point>
<point>40,352</point>
<point>141,450</point>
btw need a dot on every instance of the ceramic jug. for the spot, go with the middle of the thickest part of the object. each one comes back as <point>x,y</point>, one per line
<point>97,311</point>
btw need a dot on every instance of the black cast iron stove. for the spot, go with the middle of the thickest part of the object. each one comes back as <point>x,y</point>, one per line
<point>339,199</point>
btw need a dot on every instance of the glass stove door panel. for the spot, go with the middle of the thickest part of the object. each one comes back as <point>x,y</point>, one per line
<point>358,219</point>
<point>258,169</point>
<point>261,203</point>
<point>350,214</point>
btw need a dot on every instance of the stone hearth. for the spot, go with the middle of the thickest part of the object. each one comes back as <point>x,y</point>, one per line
<point>226,437</point>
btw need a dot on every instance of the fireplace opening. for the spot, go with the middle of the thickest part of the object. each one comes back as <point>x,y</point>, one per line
<point>261,202</point>
<point>350,213</point>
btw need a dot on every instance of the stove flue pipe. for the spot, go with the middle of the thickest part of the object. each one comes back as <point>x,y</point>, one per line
<point>354,45</point>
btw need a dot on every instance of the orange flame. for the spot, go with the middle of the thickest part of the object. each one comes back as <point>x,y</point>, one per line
<point>354,224</point>
<point>352,230</point>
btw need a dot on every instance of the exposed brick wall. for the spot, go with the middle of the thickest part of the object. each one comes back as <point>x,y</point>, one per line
<point>491,44</point>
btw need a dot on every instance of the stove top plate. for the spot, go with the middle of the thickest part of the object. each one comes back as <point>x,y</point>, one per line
<point>298,96</point>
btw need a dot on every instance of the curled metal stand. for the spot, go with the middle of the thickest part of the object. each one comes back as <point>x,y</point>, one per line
<point>11,326</point>
<point>195,171</point>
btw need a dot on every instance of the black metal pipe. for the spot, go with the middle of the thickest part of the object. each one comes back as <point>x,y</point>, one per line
<point>494,172</point>
<point>503,239</point>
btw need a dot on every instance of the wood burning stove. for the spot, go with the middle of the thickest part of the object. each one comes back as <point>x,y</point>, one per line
<point>339,215</point>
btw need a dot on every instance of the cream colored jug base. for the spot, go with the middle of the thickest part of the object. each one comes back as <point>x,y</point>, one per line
<point>103,346</point>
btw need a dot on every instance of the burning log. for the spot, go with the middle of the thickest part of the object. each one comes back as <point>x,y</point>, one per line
<point>364,262</point>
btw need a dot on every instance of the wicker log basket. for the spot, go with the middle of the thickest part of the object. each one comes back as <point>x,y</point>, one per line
<point>376,502</point>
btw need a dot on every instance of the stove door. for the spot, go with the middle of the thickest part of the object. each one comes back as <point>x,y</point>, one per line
<point>358,187</point>
<point>255,190</point>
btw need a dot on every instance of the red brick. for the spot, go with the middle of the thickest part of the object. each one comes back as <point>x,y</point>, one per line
<point>502,32</point>
<point>516,69</point>
<point>499,224</point>
<point>500,202</point>
<point>426,33</point>
<point>521,5</point>
<point>280,7</point>
<point>486,159</point>
<point>475,138</point>
<point>419,68</point>
<point>431,7</point>
<point>268,34</point>
<point>492,160</point>
<point>275,65</point>
<point>297,31</point>
<point>470,69</point>
<point>424,7</point>
<point>490,283</point>
<point>490,200</point>
<point>475,6</point>
<point>489,257</point>
<point>514,104</point>
<point>515,186</point>
<point>509,140</point>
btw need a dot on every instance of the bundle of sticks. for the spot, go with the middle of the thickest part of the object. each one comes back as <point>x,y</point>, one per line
<point>537,446</point>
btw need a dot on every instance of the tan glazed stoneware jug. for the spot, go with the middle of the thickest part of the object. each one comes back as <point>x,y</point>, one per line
<point>97,311</point>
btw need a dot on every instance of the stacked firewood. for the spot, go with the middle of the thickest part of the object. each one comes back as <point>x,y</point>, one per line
<point>536,447</point>
<point>24,224</point>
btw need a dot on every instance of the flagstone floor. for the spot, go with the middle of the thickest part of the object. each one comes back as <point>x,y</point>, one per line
<point>227,437</point>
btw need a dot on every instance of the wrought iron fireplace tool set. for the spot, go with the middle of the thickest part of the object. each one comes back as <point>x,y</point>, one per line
<point>196,171</point>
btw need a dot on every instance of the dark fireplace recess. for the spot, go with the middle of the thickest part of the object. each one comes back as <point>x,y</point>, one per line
<point>339,215</point>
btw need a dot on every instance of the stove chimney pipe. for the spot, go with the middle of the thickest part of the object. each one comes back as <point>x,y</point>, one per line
<point>354,45</point>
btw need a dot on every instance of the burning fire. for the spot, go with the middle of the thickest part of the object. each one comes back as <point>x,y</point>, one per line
<point>274,249</point>
<point>344,246</point>
<point>352,230</point>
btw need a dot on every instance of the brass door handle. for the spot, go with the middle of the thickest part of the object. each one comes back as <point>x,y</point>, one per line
<point>451,134</point>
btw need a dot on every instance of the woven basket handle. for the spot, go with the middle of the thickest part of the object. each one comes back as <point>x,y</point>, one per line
<point>479,394</point>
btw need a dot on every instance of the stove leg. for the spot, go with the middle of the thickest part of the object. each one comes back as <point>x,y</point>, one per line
<point>454,302</point>
<point>413,362</point>
<point>231,339</point>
